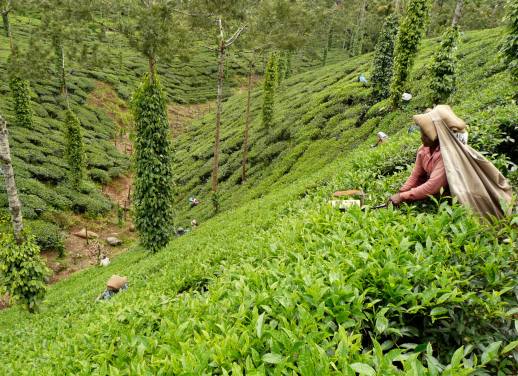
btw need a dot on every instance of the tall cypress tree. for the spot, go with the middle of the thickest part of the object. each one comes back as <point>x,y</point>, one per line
<point>74,149</point>
<point>20,90</point>
<point>153,196</point>
<point>409,37</point>
<point>510,45</point>
<point>383,58</point>
<point>443,79</point>
<point>269,92</point>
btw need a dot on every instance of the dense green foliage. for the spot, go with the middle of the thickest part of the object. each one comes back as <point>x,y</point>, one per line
<point>510,46</point>
<point>74,150</point>
<point>47,236</point>
<point>20,90</point>
<point>317,117</point>
<point>443,68</point>
<point>270,78</point>
<point>22,271</point>
<point>411,30</point>
<point>153,196</point>
<point>282,283</point>
<point>282,67</point>
<point>383,58</point>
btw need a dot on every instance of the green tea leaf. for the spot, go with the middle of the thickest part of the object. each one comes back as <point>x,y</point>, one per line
<point>510,347</point>
<point>490,352</point>
<point>363,369</point>
<point>272,358</point>
<point>259,325</point>
<point>457,357</point>
<point>438,311</point>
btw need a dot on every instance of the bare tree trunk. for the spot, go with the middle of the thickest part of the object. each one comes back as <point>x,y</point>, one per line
<point>152,68</point>
<point>7,25</point>
<point>10,184</point>
<point>398,7</point>
<point>458,13</point>
<point>496,6</point>
<point>357,42</point>
<point>219,107</point>
<point>247,122</point>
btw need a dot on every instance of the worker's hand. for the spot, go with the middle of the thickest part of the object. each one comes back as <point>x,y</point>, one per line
<point>395,199</point>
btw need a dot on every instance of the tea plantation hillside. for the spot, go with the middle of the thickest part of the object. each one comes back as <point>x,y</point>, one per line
<point>39,164</point>
<point>282,284</point>
<point>325,113</point>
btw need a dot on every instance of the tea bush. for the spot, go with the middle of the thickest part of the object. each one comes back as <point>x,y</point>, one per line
<point>47,236</point>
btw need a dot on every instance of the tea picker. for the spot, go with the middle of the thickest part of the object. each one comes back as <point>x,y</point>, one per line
<point>114,285</point>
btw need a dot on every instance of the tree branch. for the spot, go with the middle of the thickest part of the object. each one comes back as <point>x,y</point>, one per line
<point>234,37</point>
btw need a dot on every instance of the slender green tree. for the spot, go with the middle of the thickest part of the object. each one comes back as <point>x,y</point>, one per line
<point>269,92</point>
<point>282,67</point>
<point>153,196</point>
<point>359,31</point>
<point>383,58</point>
<point>510,45</point>
<point>157,29</point>
<point>409,37</point>
<point>20,90</point>
<point>443,78</point>
<point>74,149</point>
<point>444,63</point>
<point>5,9</point>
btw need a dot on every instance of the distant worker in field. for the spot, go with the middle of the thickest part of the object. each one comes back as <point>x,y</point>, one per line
<point>193,201</point>
<point>446,163</point>
<point>363,80</point>
<point>382,137</point>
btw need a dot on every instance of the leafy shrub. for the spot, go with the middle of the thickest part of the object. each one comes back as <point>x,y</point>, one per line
<point>443,75</point>
<point>153,166</point>
<point>22,271</point>
<point>47,236</point>
<point>383,58</point>
<point>74,149</point>
<point>510,45</point>
<point>22,102</point>
<point>99,176</point>
<point>32,205</point>
<point>409,37</point>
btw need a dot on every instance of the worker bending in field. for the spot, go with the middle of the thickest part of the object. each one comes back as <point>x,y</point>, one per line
<point>446,162</point>
<point>428,177</point>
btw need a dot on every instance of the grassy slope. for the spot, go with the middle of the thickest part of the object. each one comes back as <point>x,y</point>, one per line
<point>317,280</point>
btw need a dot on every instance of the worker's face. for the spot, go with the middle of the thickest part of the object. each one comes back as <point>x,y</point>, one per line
<point>427,141</point>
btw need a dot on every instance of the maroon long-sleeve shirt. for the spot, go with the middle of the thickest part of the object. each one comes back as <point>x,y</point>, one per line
<point>428,176</point>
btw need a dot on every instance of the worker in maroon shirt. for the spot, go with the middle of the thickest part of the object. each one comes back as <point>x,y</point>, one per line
<point>428,177</point>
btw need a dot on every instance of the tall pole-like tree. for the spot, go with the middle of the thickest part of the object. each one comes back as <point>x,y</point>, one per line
<point>510,44</point>
<point>383,58</point>
<point>12,194</point>
<point>157,29</point>
<point>411,31</point>
<point>5,10</point>
<point>269,92</point>
<point>247,120</point>
<point>223,45</point>
<point>458,13</point>
<point>357,42</point>
<point>444,62</point>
